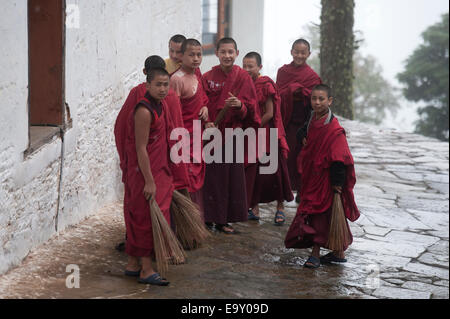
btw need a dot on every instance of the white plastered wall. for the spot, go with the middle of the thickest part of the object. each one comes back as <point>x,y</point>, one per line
<point>105,53</point>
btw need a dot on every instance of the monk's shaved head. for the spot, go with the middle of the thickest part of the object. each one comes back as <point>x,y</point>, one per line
<point>301,41</point>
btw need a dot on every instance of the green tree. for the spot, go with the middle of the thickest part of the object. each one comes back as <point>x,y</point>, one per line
<point>373,95</point>
<point>337,46</point>
<point>426,80</point>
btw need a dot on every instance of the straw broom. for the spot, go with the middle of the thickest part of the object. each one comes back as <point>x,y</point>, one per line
<point>338,236</point>
<point>167,247</point>
<point>190,228</point>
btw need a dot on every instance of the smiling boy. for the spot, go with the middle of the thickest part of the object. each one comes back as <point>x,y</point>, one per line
<point>326,166</point>
<point>173,62</point>
<point>228,85</point>
<point>295,82</point>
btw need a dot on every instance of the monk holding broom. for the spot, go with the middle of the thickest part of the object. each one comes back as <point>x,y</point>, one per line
<point>328,177</point>
<point>148,176</point>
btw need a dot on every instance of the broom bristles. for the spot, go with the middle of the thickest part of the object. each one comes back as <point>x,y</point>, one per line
<point>338,236</point>
<point>166,245</point>
<point>189,225</point>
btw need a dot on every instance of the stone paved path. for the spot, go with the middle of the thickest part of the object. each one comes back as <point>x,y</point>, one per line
<point>400,247</point>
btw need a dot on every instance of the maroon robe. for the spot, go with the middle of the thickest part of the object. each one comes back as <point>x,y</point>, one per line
<point>326,143</point>
<point>267,188</point>
<point>225,196</point>
<point>179,171</point>
<point>295,110</point>
<point>190,109</point>
<point>139,242</point>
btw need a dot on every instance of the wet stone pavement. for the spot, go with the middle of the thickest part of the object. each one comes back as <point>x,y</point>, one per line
<point>400,247</point>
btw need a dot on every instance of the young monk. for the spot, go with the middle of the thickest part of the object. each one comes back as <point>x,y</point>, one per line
<point>227,85</point>
<point>326,166</point>
<point>173,62</point>
<point>295,81</point>
<point>187,83</point>
<point>148,175</point>
<point>179,171</point>
<point>268,188</point>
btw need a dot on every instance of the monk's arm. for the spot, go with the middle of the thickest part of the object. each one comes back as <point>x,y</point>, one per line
<point>268,112</point>
<point>143,121</point>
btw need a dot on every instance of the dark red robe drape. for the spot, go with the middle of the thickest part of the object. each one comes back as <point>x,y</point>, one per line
<point>266,188</point>
<point>224,190</point>
<point>139,242</point>
<point>295,111</point>
<point>326,143</point>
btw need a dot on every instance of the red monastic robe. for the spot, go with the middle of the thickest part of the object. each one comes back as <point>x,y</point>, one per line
<point>179,171</point>
<point>190,109</point>
<point>326,143</point>
<point>224,190</point>
<point>266,188</point>
<point>295,112</point>
<point>138,223</point>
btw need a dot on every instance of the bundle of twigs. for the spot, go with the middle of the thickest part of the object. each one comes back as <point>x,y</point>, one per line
<point>189,225</point>
<point>166,245</point>
<point>339,235</point>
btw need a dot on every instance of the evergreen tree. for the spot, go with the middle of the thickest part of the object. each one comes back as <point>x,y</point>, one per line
<point>426,79</point>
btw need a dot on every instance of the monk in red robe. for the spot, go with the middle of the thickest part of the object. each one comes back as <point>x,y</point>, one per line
<point>148,176</point>
<point>179,171</point>
<point>187,83</point>
<point>228,86</point>
<point>268,187</point>
<point>295,82</point>
<point>326,166</point>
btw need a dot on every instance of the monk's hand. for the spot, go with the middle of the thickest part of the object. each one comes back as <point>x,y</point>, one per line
<point>337,189</point>
<point>209,125</point>
<point>149,191</point>
<point>203,114</point>
<point>233,101</point>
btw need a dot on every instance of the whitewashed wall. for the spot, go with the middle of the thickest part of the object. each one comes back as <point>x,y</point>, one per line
<point>247,28</point>
<point>104,59</point>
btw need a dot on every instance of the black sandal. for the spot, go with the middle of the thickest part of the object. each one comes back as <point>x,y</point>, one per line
<point>312,262</point>
<point>279,215</point>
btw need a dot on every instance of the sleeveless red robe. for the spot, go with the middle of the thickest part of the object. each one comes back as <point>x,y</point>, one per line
<point>138,223</point>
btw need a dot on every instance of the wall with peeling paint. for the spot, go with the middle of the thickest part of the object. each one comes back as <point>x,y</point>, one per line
<point>105,52</point>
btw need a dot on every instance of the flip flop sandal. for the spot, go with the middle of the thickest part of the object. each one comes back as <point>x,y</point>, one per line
<point>154,279</point>
<point>312,262</point>
<point>132,273</point>
<point>331,258</point>
<point>252,216</point>
<point>279,215</point>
